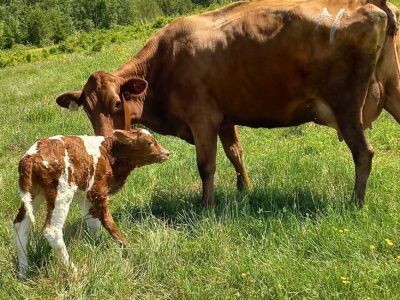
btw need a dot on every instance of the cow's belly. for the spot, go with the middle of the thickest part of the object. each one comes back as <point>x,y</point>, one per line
<point>285,115</point>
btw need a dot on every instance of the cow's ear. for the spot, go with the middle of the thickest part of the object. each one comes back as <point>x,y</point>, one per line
<point>123,136</point>
<point>70,100</point>
<point>133,87</point>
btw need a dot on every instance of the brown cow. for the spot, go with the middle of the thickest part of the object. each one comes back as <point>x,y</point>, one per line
<point>259,64</point>
<point>87,168</point>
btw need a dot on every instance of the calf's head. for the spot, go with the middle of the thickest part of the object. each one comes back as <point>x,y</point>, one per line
<point>137,147</point>
<point>104,99</point>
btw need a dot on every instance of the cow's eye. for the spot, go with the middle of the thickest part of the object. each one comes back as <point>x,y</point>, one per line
<point>118,105</point>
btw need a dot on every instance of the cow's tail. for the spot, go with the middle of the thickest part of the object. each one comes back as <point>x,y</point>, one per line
<point>25,186</point>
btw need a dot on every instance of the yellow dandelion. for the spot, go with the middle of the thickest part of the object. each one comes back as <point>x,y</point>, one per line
<point>372,247</point>
<point>389,243</point>
<point>345,280</point>
<point>398,257</point>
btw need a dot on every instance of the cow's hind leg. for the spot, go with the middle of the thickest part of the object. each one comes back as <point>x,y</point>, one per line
<point>346,91</point>
<point>353,134</point>
<point>233,150</point>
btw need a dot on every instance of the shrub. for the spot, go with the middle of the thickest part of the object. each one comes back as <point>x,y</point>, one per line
<point>39,27</point>
<point>97,46</point>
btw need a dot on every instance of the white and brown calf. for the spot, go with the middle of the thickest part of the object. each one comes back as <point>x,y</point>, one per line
<point>86,168</point>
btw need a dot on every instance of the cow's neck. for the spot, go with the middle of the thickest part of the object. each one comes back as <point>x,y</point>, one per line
<point>140,64</point>
<point>145,65</point>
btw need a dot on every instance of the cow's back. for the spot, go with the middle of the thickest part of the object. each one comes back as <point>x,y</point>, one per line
<point>263,63</point>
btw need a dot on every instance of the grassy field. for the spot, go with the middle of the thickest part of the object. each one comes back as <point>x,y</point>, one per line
<point>293,235</point>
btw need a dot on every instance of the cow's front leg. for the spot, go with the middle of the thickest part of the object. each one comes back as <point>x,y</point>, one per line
<point>234,151</point>
<point>205,139</point>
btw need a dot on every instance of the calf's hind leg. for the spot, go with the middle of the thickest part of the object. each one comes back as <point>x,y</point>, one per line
<point>101,211</point>
<point>58,207</point>
<point>21,227</point>
<point>93,224</point>
<point>233,150</point>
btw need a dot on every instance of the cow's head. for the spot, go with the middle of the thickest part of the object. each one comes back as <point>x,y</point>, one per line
<point>103,98</point>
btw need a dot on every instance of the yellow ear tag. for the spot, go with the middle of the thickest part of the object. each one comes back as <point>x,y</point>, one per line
<point>73,106</point>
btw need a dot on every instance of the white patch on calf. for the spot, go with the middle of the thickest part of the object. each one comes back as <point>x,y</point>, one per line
<point>93,224</point>
<point>336,24</point>
<point>53,232</point>
<point>57,137</point>
<point>92,145</point>
<point>32,150</point>
<point>45,163</point>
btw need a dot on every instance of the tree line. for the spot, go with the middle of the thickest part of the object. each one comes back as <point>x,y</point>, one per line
<point>45,22</point>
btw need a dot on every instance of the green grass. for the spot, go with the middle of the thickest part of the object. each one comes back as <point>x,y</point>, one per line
<point>293,235</point>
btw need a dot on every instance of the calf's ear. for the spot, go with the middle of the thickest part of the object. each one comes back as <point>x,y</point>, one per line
<point>123,136</point>
<point>133,87</point>
<point>70,100</point>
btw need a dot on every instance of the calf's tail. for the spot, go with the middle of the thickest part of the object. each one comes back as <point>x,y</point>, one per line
<point>26,199</point>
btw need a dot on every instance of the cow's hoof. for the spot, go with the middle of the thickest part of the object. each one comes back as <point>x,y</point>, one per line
<point>243,182</point>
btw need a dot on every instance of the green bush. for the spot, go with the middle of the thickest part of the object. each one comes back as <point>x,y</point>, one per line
<point>39,27</point>
<point>98,46</point>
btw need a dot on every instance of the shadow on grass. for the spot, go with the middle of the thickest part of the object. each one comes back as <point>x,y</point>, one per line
<point>177,208</point>
<point>174,207</point>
